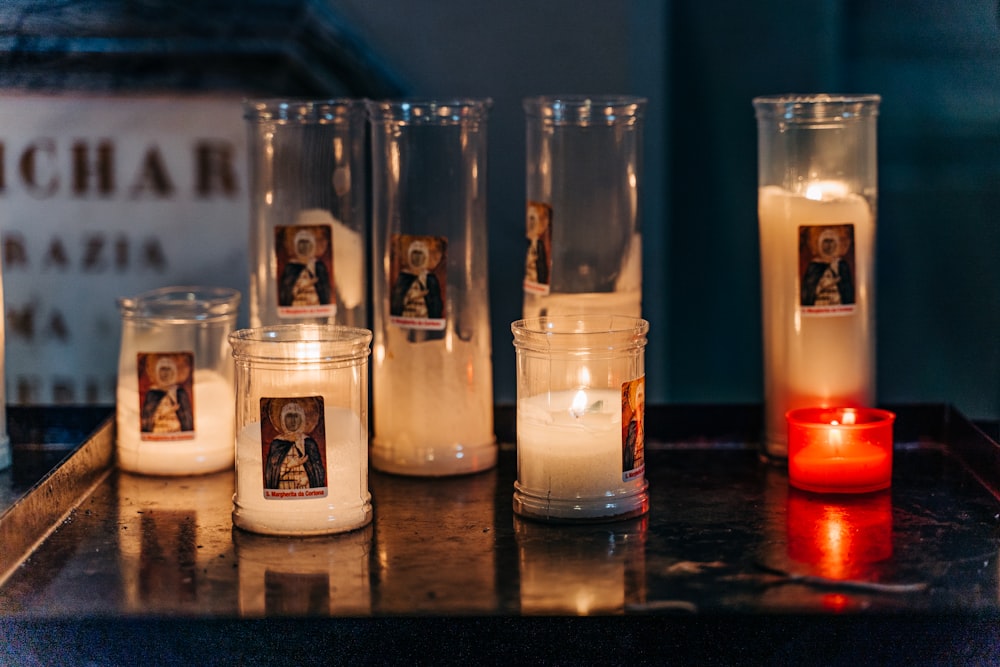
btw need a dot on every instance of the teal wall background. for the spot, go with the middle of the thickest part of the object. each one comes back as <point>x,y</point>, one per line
<point>935,63</point>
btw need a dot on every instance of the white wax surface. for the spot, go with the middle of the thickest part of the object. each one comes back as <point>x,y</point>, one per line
<point>210,450</point>
<point>433,406</point>
<point>628,303</point>
<point>812,360</point>
<point>564,456</point>
<point>347,504</point>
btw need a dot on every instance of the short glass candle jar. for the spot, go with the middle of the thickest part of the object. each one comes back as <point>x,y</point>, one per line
<point>580,418</point>
<point>840,450</point>
<point>301,429</point>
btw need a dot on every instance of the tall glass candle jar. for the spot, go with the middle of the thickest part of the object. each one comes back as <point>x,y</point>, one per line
<point>581,418</point>
<point>817,168</point>
<point>174,403</point>
<point>584,174</point>
<point>301,429</point>
<point>433,376</point>
<point>308,180</point>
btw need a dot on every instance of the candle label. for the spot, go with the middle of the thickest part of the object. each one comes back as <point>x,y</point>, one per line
<point>293,447</point>
<point>633,429</point>
<point>826,269</point>
<point>538,261</point>
<point>304,261</point>
<point>166,395</point>
<point>417,273</point>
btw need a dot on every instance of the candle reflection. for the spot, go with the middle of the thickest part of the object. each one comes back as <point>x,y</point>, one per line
<point>301,576</point>
<point>842,539</point>
<point>581,570</point>
<point>170,551</point>
<point>410,565</point>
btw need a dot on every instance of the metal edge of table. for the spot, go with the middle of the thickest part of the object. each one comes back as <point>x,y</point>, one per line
<point>27,523</point>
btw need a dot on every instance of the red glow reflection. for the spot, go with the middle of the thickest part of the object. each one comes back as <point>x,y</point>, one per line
<point>839,538</point>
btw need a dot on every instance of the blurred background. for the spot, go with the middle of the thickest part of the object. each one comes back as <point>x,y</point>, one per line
<point>935,63</point>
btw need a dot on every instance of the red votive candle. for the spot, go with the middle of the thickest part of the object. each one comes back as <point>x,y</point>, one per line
<point>840,450</point>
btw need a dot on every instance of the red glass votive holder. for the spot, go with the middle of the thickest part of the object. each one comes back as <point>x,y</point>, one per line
<point>840,450</point>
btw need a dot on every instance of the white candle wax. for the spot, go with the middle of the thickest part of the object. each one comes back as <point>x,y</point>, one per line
<point>211,449</point>
<point>566,453</point>
<point>812,359</point>
<point>347,503</point>
<point>433,405</point>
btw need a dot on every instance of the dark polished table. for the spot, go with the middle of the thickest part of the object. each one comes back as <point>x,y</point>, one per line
<point>730,564</point>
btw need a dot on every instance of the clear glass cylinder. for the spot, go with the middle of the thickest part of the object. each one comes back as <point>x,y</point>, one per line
<point>174,405</point>
<point>581,418</point>
<point>308,211</point>
<point>433,375</point>
<point>584,174</point>
<point>301,429</point>
<point>817,178</point>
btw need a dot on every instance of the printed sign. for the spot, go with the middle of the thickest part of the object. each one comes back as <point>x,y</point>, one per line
<point>826,269</point>
<point>304,258</point>
<point>418,268</point>
<point>538,261</point>
<point>293,447</point>
<point>634,429</point>
<point>166,395</point>
<point>104,196</point>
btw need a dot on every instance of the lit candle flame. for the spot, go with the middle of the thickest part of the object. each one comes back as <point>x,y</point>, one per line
<point>836,437</point>
<point>579,405</point>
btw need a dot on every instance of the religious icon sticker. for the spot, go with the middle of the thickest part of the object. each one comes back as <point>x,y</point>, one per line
<point>538,260</point>
<point>293,447</point>
<point>304,260</point>
<point>166,395</point>
<point>417,273</point>
<point>633,428</point>
<point>826,269</point>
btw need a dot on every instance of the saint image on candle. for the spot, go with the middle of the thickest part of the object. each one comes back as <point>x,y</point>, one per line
<point>417,298</point>
<point>538,260</point>
<point>166,394</point>
<point>827,279</point>
<point>303,266</point>
<point>633,419</point>
<point>294,450</point>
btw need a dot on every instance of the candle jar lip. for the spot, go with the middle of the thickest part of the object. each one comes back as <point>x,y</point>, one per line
<point>819,416</point>
<point>580,332</point>
<point>181,303</point>
<point>429,111</point>
<point>582,109</point>
<point>816,107</point>
<point>283,342</point>
<point>290,111</point>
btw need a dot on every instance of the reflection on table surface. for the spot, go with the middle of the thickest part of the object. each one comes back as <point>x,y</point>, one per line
<point>725,533</point>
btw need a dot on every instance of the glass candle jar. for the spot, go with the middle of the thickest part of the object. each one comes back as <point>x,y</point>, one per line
<point>432,370</point>
<point>308,225</point>
<point>583,169</point>
<point>302,429</point>
<point>175,381</point>
<point>816,204</point>
<point>580,418</point>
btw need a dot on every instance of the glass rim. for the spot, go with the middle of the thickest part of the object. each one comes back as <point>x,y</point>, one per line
<point>580,332</point>
<point>817,106</point>
<point>582,109</point>
<point>182,303</point>
<point>819,417</point>
<point>301,110</point>
<point>429,111</point>
<point>301,333</point>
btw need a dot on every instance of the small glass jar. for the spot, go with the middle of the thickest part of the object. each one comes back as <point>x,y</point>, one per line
<point>301,429</point>
<point>581,418</point>
<point>175,381</point>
